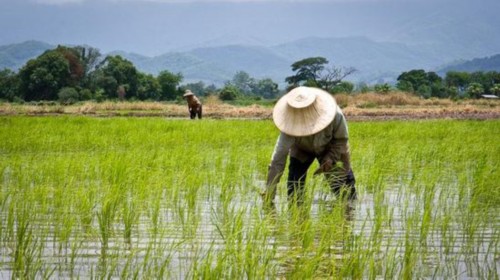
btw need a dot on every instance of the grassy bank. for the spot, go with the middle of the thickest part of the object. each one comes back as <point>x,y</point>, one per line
<point>156,198</point>
<point>366,106</point>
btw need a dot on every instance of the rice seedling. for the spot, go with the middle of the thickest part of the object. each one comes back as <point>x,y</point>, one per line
<point>88,197</point>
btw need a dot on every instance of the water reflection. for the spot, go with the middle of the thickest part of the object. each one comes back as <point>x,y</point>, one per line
<point>392,229</point>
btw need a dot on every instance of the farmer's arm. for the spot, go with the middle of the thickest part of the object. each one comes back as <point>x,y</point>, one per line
<point>197,102</point>
<point>338,149</point>
<point>278,162</point>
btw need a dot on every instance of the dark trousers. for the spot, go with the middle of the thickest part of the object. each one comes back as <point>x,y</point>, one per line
<point>297,172</point>
<point>195,111</point>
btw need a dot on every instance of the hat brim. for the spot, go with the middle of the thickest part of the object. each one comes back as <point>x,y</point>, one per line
<point>305,121</point>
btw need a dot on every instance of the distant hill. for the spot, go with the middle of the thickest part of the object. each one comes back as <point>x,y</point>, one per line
<point>14,56</point>
<point>375,61</point>
<point>485,64</point>
<point>215,64</point>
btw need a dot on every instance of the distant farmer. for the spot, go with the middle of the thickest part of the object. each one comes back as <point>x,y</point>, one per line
<point>194,104</point>
<point>312,127</point>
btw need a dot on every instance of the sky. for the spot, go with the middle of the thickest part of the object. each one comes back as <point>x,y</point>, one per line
<point>153,27</point>
<point>58,2</point>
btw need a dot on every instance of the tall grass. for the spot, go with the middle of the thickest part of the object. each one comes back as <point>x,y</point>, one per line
<point>369,103</point>
<point>155,198</point>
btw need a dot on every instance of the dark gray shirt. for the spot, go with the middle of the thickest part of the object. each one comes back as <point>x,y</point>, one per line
<point>331,142</point>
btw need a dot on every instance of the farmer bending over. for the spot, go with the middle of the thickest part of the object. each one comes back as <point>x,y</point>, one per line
<point>194,104</point>
<point>312,127</point>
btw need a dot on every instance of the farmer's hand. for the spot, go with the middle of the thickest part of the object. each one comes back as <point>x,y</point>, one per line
<point>325,166</point>
<point>268,201</point>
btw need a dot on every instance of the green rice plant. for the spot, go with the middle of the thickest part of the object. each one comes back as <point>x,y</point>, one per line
<point>409,258</point>
<point>155,216</point>
<point>105,218</point>
<point>206,269</point>
<point>75,247</point>
<point>85,204</point>
<point>121,197</point>
<point>130,216</point>
<point>27,262</point>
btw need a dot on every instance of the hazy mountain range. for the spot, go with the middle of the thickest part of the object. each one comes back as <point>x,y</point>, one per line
<point>376,62</point>
<point>485,64</point>
<point>211,41</point>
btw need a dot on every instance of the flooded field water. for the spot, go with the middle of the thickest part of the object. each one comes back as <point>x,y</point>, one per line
<point>126,207</point>
<point>447,249</point>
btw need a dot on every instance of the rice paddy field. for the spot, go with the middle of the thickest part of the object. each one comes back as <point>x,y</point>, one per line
<point>148,198</point>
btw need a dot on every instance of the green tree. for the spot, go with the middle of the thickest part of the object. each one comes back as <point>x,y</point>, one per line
<point>436,85</point>
<point>475,90</point>
<point>243,82</point>
<point>423,83</point>
<point>197,88</point>
<point>415,78</point>
<point>382,88</point>
<point>149,87</point>
<point>168,83</point>
<point>76,67</point>
<point>313,72</point>
<point>89,58</point>
<point>307,71</point>
<point>116,71</point>
<point>486,79</point>
<point>494,76</point>
<point>9,85</point>
<point>86,94</point>
<point>210,89</point>
<point>405,86</point>
<point>480,78</point>
<point>121,91</point>
<point>452,92</point>
<point>343,87</point>
<point>363,87</point>
<point>434,78</point>
<point>460,80</point>
<point>495,89</point>
<point>105,85</point>
<point>229,92</point>
<point>42,78</point>
<point>424,91</point>
<point>265,88</point>
<point>333,76</point>
<point>68,95</point>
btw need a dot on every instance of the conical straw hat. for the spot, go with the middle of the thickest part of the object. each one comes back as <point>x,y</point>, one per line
<point>304,111</point>
<point>188,93</point>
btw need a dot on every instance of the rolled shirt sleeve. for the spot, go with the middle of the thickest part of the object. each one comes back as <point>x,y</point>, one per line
<point>338,149</point>
<point>278,160</point>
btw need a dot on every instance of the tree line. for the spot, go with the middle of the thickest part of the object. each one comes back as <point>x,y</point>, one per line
<point>455,84</point>
<point>314,71</point>
<point>71,74</point>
